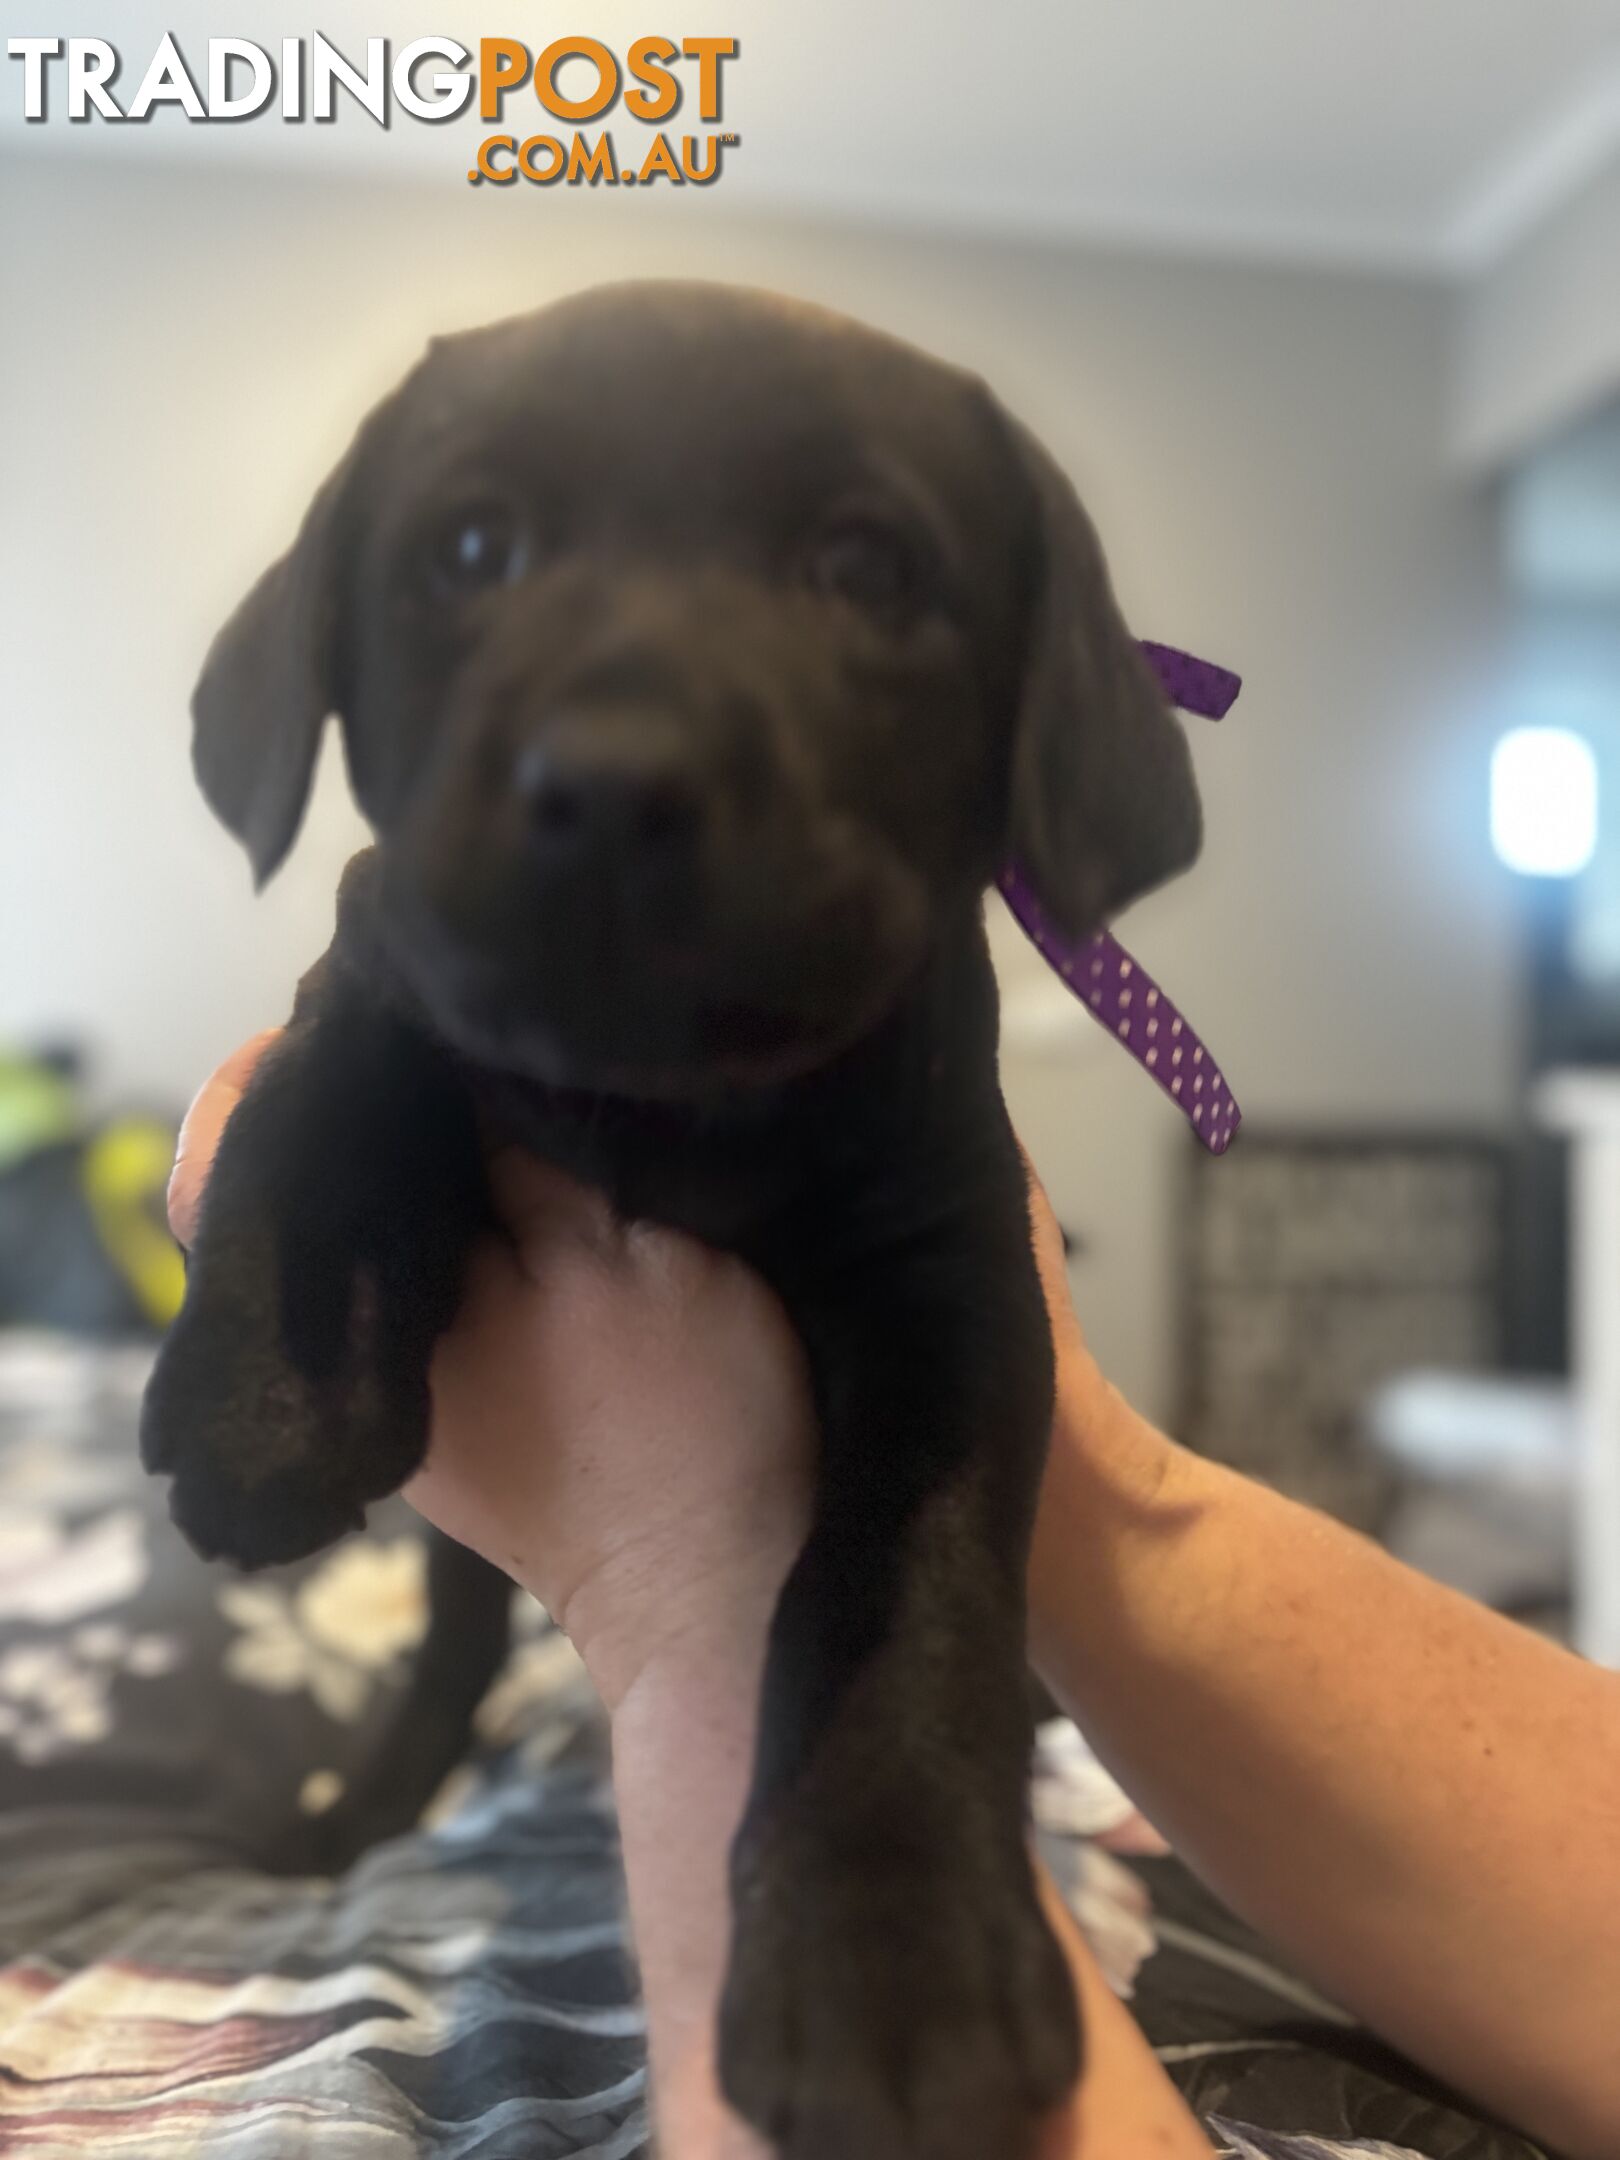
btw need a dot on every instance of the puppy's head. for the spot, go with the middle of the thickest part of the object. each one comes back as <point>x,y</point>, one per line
<point>697,655</point>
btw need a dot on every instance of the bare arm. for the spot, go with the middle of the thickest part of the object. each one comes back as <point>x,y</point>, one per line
<point>682,1741</point>
<point>1419,1800</point>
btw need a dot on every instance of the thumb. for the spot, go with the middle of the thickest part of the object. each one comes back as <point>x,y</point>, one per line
<point>200,1131</point>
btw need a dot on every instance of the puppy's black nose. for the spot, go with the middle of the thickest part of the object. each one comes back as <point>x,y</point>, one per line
<point>609,805</point>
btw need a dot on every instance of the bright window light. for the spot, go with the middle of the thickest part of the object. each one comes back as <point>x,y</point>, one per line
<point>1544,801</point>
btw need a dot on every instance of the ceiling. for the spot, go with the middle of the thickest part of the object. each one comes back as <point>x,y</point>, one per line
<point>1420,135</point>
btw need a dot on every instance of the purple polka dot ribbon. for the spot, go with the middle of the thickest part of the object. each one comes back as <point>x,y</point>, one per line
<point>1197,686</point>
<point>1114,988</point>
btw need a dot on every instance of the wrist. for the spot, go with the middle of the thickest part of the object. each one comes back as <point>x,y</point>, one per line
<point>654,1626</point>
<point>1104,1454</point>
<point>708,1668</point>
<point>1116,1499</point>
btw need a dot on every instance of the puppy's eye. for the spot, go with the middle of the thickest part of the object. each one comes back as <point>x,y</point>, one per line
<point>872,565</point>
<point>480,547</point>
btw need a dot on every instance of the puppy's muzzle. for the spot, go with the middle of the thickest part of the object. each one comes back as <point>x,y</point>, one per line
<point>613,800</point>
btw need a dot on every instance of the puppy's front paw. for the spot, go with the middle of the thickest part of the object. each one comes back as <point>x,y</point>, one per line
<point>893,1998</point>
<point>269,1460</point>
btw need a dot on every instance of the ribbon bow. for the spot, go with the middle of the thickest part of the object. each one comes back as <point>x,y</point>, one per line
<point>1117,990</point>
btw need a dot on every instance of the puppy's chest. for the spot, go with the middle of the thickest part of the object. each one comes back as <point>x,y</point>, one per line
<point>730,1184</point>
<point>821,1185</point>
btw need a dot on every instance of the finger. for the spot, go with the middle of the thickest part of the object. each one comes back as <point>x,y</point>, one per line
<point>542,1205</point>
<point>201,1127</point>
<point>1051,1261</point>
<point>1044,1226</point>
<point>1135,1835</point>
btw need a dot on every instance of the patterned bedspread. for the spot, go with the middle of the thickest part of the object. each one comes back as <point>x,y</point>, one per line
<point>466,1992</point>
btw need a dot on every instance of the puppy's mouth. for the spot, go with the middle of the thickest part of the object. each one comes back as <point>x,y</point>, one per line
<point>748,1035</point>
<point>640,1012</point>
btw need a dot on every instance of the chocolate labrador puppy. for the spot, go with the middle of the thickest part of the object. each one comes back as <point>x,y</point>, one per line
<point>701,658</point>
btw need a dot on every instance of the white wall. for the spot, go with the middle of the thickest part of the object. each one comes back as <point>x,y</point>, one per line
<point>180,358</point>
<point>1538,334</point>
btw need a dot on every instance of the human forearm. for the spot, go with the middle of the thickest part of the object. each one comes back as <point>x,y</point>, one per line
<point>681,1751</point>
<point>1416,1798</point>
<point>683,1736</point>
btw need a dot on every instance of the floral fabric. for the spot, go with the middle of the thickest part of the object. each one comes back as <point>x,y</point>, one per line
<point>466,1992</point>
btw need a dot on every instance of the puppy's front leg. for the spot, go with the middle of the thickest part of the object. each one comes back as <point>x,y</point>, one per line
<point>293,1387</point>
<point>894,1991</point>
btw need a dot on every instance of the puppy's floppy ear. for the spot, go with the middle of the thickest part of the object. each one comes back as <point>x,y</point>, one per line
<point>1104,806</point>
<point>269,682</point>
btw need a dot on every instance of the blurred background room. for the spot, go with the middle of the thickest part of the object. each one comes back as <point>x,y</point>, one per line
<point>1321,312</point>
